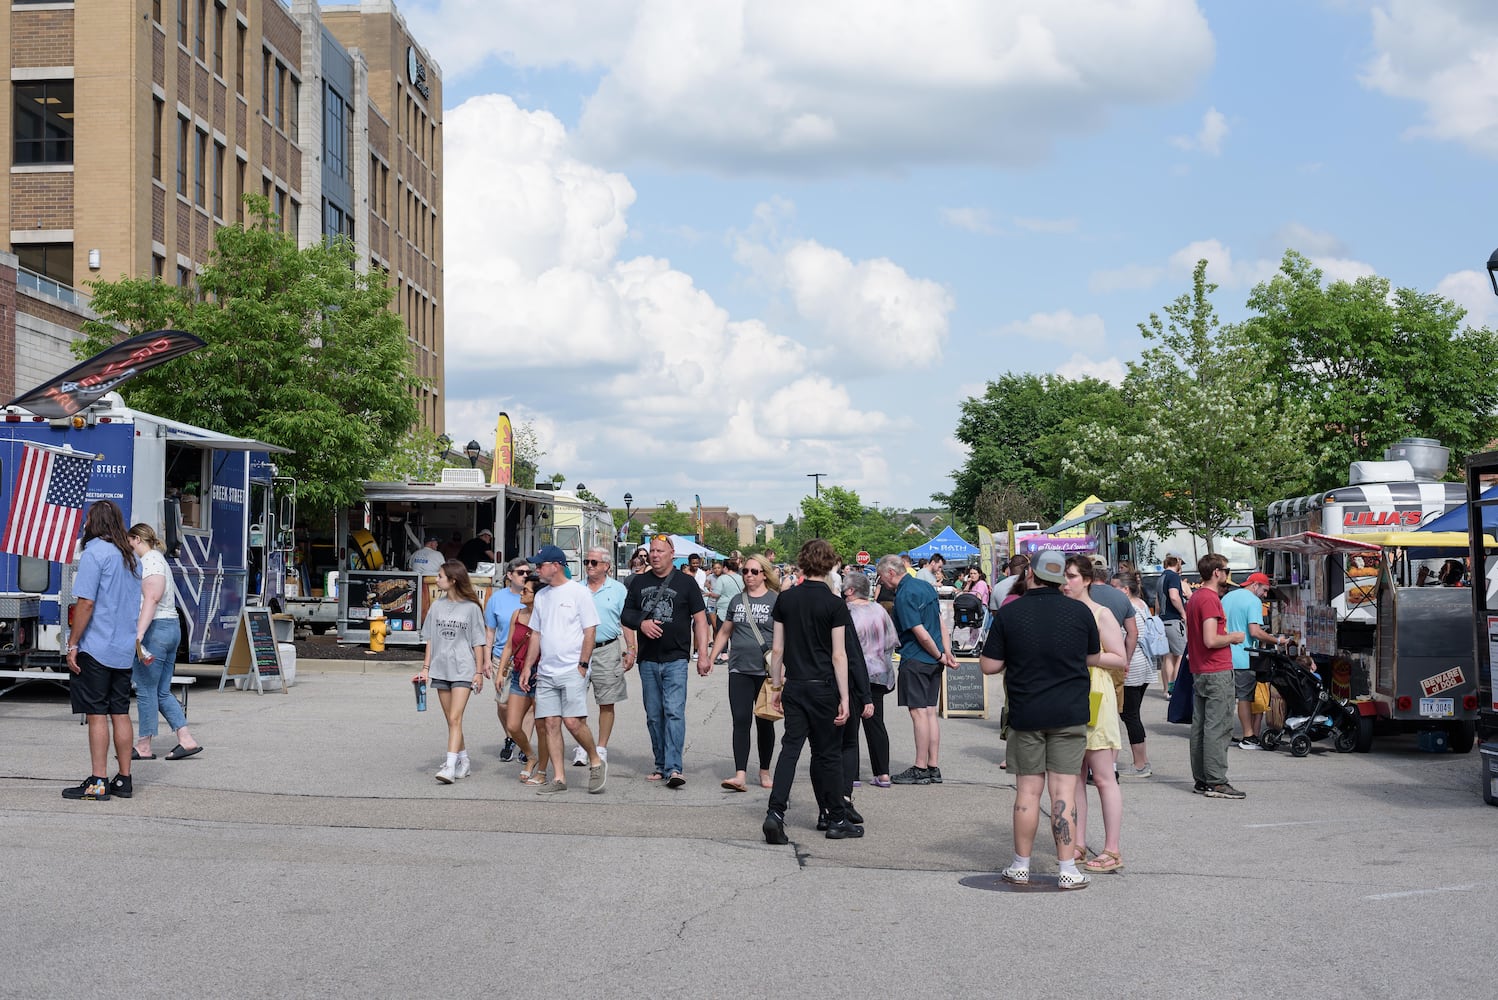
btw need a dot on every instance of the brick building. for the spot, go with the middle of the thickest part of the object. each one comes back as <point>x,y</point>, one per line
<point>137,125</point>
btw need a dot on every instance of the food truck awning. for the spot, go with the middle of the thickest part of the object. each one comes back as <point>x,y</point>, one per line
<point>427,492</point>
<point>1314,544</point>
<point>173,430</point>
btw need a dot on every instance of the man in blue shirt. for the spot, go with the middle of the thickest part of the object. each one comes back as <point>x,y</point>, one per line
<point>101,650</point>
<point>1244,609</point>
<point>611,659</point>
<point>923,654</point>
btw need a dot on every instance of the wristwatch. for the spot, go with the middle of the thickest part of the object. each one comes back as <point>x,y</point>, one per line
<point>582,665</point>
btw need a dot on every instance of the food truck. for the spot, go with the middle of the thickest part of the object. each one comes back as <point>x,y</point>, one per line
<point>375,538</point>
<point>1382,631</point>
<point>1482,516</point>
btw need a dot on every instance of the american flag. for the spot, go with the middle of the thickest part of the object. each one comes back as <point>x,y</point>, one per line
<point>47,505</point>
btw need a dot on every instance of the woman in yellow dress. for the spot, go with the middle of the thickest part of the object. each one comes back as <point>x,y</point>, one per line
<point>1104,740</point>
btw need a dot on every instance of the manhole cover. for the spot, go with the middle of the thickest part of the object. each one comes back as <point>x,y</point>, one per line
<point>1037,883</point>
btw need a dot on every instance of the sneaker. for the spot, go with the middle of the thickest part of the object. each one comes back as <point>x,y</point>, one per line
<point>1200,788</point>
<point>603,753</point>
<point>774,828</point>
<point>597,776</point>
<point>1224,791</point>
<point>1073,880</point>
<point>447,774</point>
<point>121,786</point>
<point>464,768</point>
<point>580,757</point>
<point>912,776</point>
<point>843,830</point>
<point>934,773</point>
<point>551,787</point>
<point>524,759</point>
<point>1130,771</point>
<point>1250,743</point>
<point>507,752</point>
<point>91,789</point>
<point>1018,876</point>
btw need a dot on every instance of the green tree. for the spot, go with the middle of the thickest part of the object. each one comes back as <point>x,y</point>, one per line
<point>1207,433</point>
<point>667,520</point>
<point>417,457</point>
<point>302,351</point>
<point>720,539</point>
<point>528,453</point>
<point>1374,366</point>
<point>1017,433</point>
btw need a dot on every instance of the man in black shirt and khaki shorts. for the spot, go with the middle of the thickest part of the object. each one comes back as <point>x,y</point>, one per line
<point>1043,643</point>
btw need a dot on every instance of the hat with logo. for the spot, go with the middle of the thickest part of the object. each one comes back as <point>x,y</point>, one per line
<point>1049,565</point>
<point>548,554</point>
<point>1254,578</point>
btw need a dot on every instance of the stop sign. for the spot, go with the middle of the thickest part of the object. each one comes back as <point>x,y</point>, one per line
<point>863,558</point>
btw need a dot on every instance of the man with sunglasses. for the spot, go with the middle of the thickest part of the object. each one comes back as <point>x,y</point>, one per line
<point>613,649</point>
<point>501,607</point>
<point>666,608</point>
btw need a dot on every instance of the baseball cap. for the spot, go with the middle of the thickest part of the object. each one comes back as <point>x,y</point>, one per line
<point>1099,561</point>
<point>1049,565</point>
<point>434,538</point>
<point>1257,578</point>
<point>485,533</point>
<point>548,554</point>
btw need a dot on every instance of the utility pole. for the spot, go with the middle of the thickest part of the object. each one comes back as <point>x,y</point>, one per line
<point>817,477</point>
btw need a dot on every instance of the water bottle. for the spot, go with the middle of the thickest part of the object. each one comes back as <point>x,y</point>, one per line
<point>421,694</point>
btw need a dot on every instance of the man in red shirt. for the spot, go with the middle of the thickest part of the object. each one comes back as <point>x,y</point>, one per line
<point>1207,642</point>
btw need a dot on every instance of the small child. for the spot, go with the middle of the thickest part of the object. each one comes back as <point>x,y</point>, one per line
<point>456,658</point>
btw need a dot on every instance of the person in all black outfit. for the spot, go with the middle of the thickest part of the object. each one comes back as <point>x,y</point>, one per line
<point>809,678</point>
<point>860,705</point>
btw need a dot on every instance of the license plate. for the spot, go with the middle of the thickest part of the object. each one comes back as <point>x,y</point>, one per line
<point>1438,708</point>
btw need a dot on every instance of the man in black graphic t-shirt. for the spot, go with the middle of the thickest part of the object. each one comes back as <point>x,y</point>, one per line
<point>666,608</point>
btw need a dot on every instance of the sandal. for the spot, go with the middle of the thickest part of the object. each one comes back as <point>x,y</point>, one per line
<point>732,786</point>
<point>534,779</point>
<point>655,776</point>
<point>1105,861</point>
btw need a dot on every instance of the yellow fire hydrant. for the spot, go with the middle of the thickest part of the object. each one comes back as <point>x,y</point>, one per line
<point>378,629</point>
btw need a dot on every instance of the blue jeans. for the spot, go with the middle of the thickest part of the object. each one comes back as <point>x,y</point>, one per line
<point>153,684</point>
<point>663,687</point>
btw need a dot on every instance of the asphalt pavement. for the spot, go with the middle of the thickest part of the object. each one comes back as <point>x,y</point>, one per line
<point>309,852</point>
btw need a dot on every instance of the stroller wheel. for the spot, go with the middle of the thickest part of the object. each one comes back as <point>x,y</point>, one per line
<point>1300,745</point>
<point>1269,739</point>
<point>1346,741</point>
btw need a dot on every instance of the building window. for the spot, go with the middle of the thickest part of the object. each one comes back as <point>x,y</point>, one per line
<point>184,276</point>
<point>333,132</point>
<point>158,266</point>
<point>267,68</point>
<point>278,205</point>
<point>182,23</point>
<point>296,216</point>
<point>50,260</point>
<point>183,136</point>
<point>44,122</point>
<point>200,42</point>
<point>278,97</point>
<point>158,121</point>
<point>294,111</point>
<point>220,154</point>
<point>241,32</point>
<point>156,11</point>
<point>200,175</point>
<point>220,16</point>
<point>240,167</point>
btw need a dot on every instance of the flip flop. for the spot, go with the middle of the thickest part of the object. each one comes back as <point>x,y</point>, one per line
<point>733,786</point>
<point>135,755</point>
<point>179,752</point>
<point>655,776</point>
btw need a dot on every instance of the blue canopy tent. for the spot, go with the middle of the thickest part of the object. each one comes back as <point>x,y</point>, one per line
<point>949,545</point>
<point>1455,519</point>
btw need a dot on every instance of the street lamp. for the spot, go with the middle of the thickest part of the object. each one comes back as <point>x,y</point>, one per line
<point>1493,271</point>
<point>472,450</point>
<point>445,443</point>
<point>628,516</point>
<point>817,477</point>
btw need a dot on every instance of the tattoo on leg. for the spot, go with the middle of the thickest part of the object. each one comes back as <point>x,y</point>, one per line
<point>1059,825</point>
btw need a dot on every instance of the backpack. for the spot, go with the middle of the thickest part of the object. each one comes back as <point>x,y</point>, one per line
<point>1152,636</point>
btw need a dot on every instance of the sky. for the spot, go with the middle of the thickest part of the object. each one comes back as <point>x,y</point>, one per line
<point>711,247</point>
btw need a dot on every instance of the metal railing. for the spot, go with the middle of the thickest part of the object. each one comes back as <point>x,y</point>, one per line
<point>46,286</point>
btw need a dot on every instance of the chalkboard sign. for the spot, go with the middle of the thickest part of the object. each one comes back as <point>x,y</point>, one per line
<point>253,649</point>
<point>964,692</point>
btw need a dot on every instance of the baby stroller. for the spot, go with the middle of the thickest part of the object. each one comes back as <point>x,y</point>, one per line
<point>1311,713</point>
<point>968,613</point>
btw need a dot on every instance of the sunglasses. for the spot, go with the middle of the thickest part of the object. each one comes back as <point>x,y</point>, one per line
<point>752,571</point>
<point>594,562</point>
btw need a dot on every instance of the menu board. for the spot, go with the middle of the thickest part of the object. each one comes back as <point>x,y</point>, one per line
<point>964,692</point>
<point>253,649</point>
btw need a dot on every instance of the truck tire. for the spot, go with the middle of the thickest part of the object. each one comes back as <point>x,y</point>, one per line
<point>1461,736</point>
<point>1365,734</point>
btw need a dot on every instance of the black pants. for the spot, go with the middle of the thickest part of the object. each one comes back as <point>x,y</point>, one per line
<point>1133,698</point>
<point>809,710</point>
<point>743,689</point>
<point>875,735</point>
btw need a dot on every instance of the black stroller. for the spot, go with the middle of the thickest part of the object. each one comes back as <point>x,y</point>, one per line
<point>968,613</point>
<point>1311,713</point>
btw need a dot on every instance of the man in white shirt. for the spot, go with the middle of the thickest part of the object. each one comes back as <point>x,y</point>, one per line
<point>428,559</point>
<point>565,622</point>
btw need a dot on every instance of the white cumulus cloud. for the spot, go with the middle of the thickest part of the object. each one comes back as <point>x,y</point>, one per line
<point>974,220</point>
<point>1208,138</point>
<point>1081,366</point>
<point>750,85</point>
<point>1060,327</point>
<point>1473,291</point>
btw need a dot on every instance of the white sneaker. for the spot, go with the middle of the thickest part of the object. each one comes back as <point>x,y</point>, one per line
<point>1073,880</point>
<point>447,774</point>
<point>580,758</point>
<point>603,753</point>
<point>1019,876</point>
<point>463,769</point>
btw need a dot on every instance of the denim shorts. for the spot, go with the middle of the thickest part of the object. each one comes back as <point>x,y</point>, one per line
<point>449,685</point>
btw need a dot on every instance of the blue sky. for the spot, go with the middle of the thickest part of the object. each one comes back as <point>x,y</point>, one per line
<point>710,246</point>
